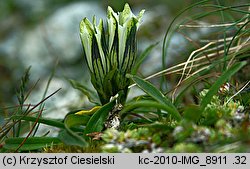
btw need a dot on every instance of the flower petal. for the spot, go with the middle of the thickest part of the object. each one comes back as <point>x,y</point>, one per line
<point>86,34</point>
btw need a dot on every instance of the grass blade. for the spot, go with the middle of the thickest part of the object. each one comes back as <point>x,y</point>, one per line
<point>220,81</point>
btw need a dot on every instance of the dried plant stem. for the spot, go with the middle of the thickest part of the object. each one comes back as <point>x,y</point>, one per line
<point>238,92</point>
<point>199,59</point>
<point>210,26</point>
<point>188,60</point>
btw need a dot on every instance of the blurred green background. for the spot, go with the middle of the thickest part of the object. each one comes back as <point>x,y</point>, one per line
<point>40,33</point>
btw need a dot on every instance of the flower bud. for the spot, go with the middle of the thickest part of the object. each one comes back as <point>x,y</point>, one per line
<point>111,53</point>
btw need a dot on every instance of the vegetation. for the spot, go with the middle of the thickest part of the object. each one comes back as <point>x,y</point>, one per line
<point>204,109</point>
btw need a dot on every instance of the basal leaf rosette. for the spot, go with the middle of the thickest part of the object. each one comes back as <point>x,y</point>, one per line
<point>110,53</point>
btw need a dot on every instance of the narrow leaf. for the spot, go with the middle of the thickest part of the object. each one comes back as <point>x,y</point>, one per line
<point>92,95</point>
<point>50,122</point>
<point>148,103</point>
<point>220,81</point>
<point>32,143</point>
<point>192,113</point>
<point>96,122</point>
<point>70,121</point>
<point>154,93</point>
<point>67,138</point>
<point>75,119</point>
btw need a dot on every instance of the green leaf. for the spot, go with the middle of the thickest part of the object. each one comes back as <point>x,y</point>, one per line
<point>96,122</point>
<point>72,120</point>
<point>148,103</point>
<point>70,137</point>
<point>109,86</point>
<point>32,143</point>
<point>92,95</point>
<point>156,94</point>
<point>50,122</point>
<point>142,57</point>
<point>219,82</point>
<point>192,113</point>
<point>245,96</point>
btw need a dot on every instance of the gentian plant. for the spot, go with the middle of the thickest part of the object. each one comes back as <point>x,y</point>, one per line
<point>110,53</point>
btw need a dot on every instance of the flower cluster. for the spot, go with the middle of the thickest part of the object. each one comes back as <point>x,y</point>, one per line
<point>110,53</point>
